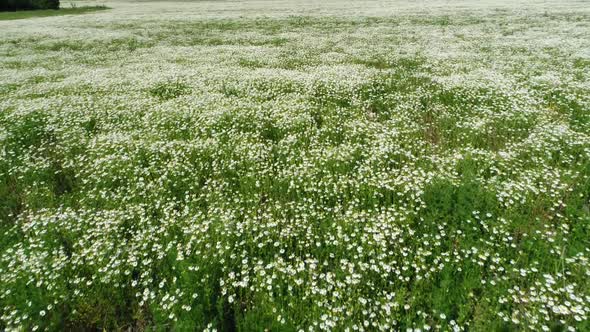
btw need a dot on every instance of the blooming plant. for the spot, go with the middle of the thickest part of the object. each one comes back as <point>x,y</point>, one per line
<point>297,166</point>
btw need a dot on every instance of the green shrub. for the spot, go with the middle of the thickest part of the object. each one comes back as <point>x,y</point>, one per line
<point>13,5</point>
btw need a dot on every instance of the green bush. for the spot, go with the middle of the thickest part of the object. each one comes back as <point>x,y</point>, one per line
<point>13,5</point>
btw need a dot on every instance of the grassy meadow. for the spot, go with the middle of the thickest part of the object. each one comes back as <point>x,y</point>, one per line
<point>296,166</point>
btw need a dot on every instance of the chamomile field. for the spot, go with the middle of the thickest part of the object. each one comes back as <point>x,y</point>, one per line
<point>296,166</point>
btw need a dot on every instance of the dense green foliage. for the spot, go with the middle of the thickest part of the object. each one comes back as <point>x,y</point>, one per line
<point>14,5</point>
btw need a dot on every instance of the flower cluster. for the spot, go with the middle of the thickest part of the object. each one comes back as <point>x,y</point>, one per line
<point>395,169</point>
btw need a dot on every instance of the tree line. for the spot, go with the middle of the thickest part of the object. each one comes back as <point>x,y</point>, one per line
<point>14,5</point>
